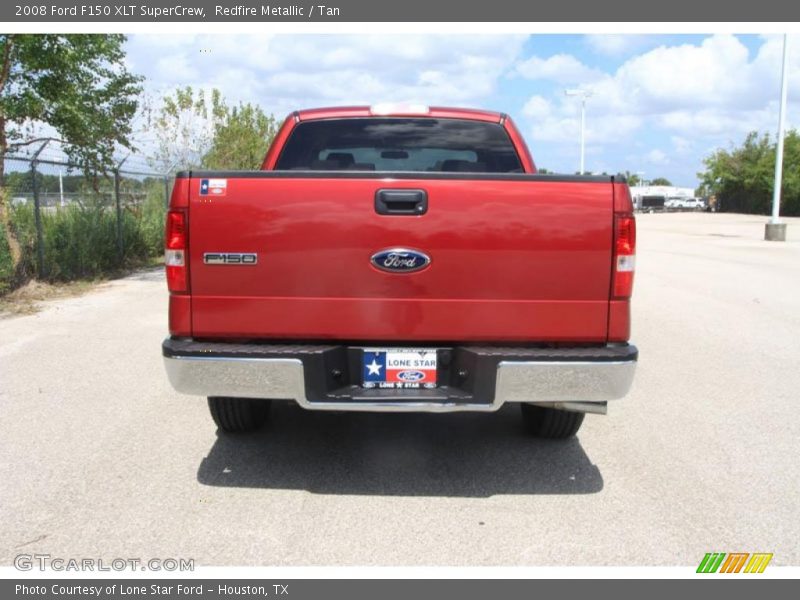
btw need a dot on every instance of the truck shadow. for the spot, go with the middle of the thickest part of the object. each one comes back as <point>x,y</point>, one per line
<point>464,454</point>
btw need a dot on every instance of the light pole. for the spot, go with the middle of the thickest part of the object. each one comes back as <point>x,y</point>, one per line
<point>61,187</point>
<point>775,230</point>
<point>583,95</point>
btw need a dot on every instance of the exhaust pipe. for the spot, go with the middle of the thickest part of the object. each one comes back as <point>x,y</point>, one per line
<point>597,408</point>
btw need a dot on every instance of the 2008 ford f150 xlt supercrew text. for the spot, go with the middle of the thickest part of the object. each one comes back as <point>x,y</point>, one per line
<point>400,259</point>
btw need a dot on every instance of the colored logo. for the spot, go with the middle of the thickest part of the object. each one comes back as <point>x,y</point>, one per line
<point>213,187</point>
<point>399,367</point>
<point>400,260</point>
<point>734,562</point>
<point>411,376</point>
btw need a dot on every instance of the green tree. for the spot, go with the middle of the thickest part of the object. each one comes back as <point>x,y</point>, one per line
<point>193,129</point>
<point>241,138</point>
<point>632,178</point>
<point>742,177</point>
<point>183,123</point>
<point>77,85</point>
<point>661,181</point>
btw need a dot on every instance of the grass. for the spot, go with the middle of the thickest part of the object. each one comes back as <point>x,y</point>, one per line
<point>26,300</point>
<point>80,241</point>
<point>6,267</point>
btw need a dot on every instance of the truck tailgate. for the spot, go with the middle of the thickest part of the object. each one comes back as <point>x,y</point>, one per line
<point>512,258</point>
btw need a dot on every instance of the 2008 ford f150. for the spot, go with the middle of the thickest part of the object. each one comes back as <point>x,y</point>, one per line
<point>400,259</point>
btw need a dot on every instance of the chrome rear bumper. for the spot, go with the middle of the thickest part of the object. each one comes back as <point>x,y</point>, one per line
<point>317,377</point>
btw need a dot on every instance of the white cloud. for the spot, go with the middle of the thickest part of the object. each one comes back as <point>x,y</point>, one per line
<point>709,122</point>
<point>681,144</point>
<point>283,73</point>
<point>537,107</point>
<point>656,157</point>
<point>715,73</point>
<point>693,95</point>
<point>707,88</point>
<point>177,68</point>
<point>715,89</point>
<point>561,68</point>
<point>564,129</point>
<point>618,45</point>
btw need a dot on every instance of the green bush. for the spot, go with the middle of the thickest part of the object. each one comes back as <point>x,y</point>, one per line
<point>22,221</point>
<point>6,267</point>
<point>152,219</point>
<point>742,177</point>
<point>80,240</point>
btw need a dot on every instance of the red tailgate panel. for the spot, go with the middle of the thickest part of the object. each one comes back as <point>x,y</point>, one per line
<point>511,260</point>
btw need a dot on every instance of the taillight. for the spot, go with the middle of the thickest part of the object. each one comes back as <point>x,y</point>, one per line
<point>624,255</point>
<point>175,241</point>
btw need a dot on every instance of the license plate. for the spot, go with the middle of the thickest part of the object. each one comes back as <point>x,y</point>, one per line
<point>395,368</point>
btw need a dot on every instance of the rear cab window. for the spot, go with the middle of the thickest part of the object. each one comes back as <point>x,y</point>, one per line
<point>400,144</point>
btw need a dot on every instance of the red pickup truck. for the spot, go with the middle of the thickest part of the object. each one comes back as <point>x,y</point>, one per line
<point>400,259</point>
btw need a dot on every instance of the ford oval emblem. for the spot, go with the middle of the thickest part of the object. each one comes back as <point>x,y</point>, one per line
<point>400,260</point>
<point>411,376</point>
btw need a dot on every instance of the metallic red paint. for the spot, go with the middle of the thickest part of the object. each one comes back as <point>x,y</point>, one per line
<point>436,112</point>
<point>180,315</point>
<point>619,321</point>
<point>274,152</point>
<point>528,165</point>
<point>510,260</point>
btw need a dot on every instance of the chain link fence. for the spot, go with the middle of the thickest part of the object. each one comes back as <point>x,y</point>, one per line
<point>70,226</point>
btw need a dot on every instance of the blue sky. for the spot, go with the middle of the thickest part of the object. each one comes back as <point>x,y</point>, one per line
<point>660,103</point>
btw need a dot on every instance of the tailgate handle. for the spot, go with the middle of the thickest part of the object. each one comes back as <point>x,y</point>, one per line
<point>401,202</point>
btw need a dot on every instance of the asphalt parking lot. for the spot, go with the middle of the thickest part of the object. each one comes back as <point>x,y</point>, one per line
<point>100,458</point>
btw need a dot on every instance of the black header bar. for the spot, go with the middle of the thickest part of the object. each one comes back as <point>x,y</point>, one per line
<point>199,11</point>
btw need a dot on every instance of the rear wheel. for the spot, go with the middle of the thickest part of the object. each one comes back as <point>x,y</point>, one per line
<point>238,415</point>
<point>551,423</point>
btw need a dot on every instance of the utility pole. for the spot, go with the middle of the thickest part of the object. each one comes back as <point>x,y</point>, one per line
<point>775,230</point>
<point>583,95</point>
<point>37,207</point>
<point>118,203</point>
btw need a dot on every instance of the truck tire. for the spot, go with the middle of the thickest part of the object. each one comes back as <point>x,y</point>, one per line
<point>238,415</point>
<point>551,423</point>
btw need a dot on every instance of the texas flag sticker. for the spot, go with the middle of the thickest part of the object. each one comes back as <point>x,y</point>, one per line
<point>213,187</point>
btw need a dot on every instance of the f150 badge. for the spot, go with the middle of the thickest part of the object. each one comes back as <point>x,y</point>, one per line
<point>230,258</point>
<point>400,260</point>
